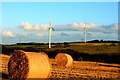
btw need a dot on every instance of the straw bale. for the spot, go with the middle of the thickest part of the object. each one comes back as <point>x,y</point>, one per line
<point>27,65</point>
<point>63,59</point>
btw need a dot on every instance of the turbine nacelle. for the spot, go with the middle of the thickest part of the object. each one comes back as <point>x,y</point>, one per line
<point>85,28</point>
<point>51,28</point>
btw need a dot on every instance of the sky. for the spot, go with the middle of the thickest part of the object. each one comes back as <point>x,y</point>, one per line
<point>60,0</point>
<point>29,21</point>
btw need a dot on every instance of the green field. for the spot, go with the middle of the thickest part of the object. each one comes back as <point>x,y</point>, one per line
<point>98,52</point>
<point>95,48</point>
<point>91,48</point>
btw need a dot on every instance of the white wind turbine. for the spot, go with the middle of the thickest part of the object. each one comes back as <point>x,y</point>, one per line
<point>85,30</point>
<point>49,33</point>
<point>20,40</point>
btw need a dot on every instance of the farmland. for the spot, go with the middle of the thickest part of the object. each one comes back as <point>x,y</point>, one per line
<point>79,47</point>
<point>99,52</point>
<point>79,70</point>
<point>91,60</point>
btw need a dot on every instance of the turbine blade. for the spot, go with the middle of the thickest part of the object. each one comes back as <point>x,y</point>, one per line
<point>50,20</point>
<point>87,29</point>
<point>53,29</point>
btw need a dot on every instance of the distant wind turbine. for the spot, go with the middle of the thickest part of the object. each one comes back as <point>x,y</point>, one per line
<point>85,30</point>
<point>50,33</point>
<point>20,40</point>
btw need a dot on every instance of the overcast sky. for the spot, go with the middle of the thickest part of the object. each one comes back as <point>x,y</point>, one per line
<point>30,21</point>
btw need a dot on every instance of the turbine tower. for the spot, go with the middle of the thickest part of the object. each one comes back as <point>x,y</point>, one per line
<point>50,33</point>
<point>85,30</point>
<point>20,40</point>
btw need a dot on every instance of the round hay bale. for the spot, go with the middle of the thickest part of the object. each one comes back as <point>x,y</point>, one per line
<point>63,59</point>
<point>28,65</point>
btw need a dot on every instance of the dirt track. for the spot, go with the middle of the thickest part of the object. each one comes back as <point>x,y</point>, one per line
<point>79,69</point>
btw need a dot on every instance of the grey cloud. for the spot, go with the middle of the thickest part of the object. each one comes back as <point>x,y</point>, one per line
<point>64,34</point>
<point>92,27</point>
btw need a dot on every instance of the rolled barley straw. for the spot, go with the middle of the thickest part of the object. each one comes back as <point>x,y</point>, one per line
<point>28,65</point>
<point>63,59</point>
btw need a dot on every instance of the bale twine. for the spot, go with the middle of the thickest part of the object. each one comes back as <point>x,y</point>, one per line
<point>63,59</point>
<point>28,65</point>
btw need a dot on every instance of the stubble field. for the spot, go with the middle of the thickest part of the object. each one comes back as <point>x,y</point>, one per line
<point>78,70</point>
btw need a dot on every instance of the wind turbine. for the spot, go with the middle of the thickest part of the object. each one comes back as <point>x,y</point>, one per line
<point>20,40</point>
<point>49,33</point>
<point>85,30</point>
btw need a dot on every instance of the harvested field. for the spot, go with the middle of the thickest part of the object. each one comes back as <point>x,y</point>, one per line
<point>79,69</point>
<point>85,69</point>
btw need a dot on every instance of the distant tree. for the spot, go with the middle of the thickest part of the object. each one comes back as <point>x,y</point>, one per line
<point>101,41</point>
<point>66,44</point>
